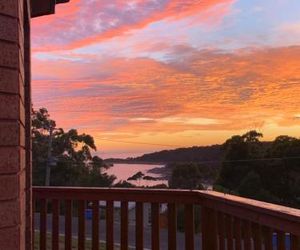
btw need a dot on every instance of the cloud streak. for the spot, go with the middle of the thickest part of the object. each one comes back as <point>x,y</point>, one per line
<point>86,22</point>
<point>213,91</point>
<point>168,72</point>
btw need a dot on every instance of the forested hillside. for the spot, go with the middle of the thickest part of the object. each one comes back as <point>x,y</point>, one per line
<point>208,154</point>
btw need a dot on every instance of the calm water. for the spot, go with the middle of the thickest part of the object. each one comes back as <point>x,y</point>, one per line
<point>124,171</point>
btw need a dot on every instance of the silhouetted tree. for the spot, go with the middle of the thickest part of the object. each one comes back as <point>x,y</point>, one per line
<point>269,172</point>
<point>74,164</point>
<point>137,176</point>
<point>186,176</point>
<point>241,153</point>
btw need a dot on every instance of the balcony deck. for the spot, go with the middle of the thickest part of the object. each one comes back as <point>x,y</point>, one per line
<point>226,221</point>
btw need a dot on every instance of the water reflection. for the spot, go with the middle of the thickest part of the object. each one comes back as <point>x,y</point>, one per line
<point>124,171</point>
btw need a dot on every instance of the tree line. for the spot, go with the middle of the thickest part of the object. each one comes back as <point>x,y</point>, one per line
<point>253,170</point>
<point>248,167</point>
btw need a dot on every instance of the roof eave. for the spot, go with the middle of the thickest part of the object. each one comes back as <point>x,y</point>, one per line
<point>44,7</point>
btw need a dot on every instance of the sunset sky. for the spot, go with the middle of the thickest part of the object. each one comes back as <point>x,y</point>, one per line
<point>146,75</point>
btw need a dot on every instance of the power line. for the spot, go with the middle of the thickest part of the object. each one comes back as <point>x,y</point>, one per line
<point>253,160</point>
<point>215,161</point>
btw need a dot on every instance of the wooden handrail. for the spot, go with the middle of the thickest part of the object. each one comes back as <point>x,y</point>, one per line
<point>117,194</point>
<point>208,198</point>
<point>227,221</point>
<point>276,216</point>
<point>260,206</point>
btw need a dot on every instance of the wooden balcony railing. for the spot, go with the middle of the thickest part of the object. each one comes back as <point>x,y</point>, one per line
<point>226,222</point>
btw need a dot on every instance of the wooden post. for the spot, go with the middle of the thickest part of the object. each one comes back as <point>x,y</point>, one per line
<point>172,226</point>
<point>189,226</point>
<point>209,229</point>
<point>139,226</point>
<point>95,225</point>
<point>68,225</point>
<point>155,226</point>
<point>109,225</point>
<point>124,225</point>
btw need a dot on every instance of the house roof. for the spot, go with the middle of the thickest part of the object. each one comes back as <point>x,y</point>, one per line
<point>44,7</point>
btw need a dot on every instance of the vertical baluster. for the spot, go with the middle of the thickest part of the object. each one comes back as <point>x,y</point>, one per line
<point>257,236</point>
<point>247,235</point>
<point>155,226</point>
<point>55,225</point>
<point>139,226</point>
<point>189,227</point>
<point>280,240</point>
<point>95,225</point>
<point>221,232</point>
<point>295,242</point>
<point>81,225</point>
<point>33,221</point>
<point>68,225</point>
<point>124,225</point>
<point>172,226</point>
<point>209,229</point>
<point>237,234</point>
<point>229,233</point>
<point>43,224</point>
<point>268,238</point>
<point>109,225</point>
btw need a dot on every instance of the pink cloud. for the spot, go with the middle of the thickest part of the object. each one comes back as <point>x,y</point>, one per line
<point>81,23</point>
<point>236,89</point>
<point>203,99</point>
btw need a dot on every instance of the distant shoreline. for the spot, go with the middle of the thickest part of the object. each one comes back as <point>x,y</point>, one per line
<point>121,161</point>
<point>209,155</point>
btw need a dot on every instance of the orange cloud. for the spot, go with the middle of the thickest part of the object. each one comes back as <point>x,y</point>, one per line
<point>213,91</point>
<point>203,99</point>
<point>142,81</point>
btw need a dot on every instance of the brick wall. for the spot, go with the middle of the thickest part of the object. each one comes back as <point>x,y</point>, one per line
<point>12,126</point>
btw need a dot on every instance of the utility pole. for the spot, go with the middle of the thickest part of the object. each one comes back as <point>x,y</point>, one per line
<point>49,157</point>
